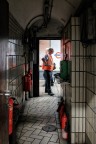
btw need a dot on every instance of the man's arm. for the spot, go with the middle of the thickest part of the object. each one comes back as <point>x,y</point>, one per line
<point>45,59</point>
<point>54,66</point>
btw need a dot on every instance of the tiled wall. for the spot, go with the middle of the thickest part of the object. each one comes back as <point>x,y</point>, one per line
<point>91,94</point>
<point>75,92</point>
<point>83,89</point>
<point>77,85</point>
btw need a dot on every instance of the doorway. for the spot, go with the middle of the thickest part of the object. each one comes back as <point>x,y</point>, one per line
<point>43,47</point>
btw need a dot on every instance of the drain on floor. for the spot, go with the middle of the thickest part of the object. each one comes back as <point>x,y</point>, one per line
<point>49,128</point>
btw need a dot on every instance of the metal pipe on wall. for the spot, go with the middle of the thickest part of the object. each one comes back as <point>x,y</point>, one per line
<point>7,72</point>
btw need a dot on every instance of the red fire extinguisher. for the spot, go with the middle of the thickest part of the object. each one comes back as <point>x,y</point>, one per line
<point>27,82</point>
<point>10,115</point>
<point>30,72</point>
<point>64,126</point>
<point>61,113</point>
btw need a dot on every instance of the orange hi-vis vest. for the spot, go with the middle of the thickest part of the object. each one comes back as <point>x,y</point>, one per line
<point>49,64</point>
<point>43,66</point>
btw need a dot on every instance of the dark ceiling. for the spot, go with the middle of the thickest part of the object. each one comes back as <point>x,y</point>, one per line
<point>50,16</point>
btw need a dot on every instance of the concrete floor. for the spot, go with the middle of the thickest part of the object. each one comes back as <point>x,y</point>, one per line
<point>40,112</point>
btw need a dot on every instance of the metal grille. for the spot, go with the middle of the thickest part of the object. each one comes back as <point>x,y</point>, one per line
<point>15,30</point>
<point>15,59</point>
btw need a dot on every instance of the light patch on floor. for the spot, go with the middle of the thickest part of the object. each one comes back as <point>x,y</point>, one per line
<point>56,89</point>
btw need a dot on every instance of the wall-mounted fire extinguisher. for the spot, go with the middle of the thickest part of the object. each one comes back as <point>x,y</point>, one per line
<point>64,125</point>
<point>10,102</point>
<point>27,82</point>
<point>30,72</point>
<point>63,120</point>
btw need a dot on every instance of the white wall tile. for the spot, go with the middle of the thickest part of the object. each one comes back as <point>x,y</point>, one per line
<point>73,64</point>
<point>77,48</point>
<point>77,95</point>
<point>73,33</point>
<point>77,124</point>
<point>81,49</point>
<point>73,78</point>
<point>77,64</point>
<point>73,95</point>
<point>77,78</point>
<point>73,110</point>
<point>73,125</point>
<point>73,21</point>
<point>73,47</point>
<point>77,21</point>
<point>77,110</point>
<point>72,138</point>
<point>77,32</point>
<point>81,79</point>
<point>82,95</point>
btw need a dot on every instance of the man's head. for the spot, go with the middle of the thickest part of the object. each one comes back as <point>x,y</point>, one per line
<point>50,50</point>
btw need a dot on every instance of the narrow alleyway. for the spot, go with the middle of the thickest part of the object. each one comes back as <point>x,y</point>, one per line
<point>40,112</point>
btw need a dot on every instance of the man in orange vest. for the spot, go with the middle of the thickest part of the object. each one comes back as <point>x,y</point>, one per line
<point>48,67</point>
